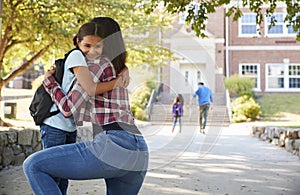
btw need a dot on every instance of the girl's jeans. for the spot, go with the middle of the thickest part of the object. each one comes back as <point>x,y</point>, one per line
<point>121,158</point>
<point>52,136</point>
<point>175,121</point>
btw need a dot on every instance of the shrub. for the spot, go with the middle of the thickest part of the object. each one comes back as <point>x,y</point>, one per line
<point>245,108</point>
<point>141,114</point>
<point>239,86</point>
<point>151,85</point>
<point>139,101</point>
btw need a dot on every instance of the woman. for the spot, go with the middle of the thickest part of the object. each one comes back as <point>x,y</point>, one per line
<point>118,152</point>
<point>58,130</point>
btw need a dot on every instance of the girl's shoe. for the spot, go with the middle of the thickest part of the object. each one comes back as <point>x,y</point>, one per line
<point>202,130</point>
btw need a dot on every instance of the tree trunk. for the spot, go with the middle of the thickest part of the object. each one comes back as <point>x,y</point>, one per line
<point>2,122</point>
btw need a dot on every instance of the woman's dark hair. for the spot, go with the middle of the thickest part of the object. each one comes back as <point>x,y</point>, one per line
<point>85,30</point>
<point>114,47</point>
<point>109,31</point>
<point>178,98</point>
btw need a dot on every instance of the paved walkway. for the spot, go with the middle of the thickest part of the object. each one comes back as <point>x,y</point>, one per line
<point>224,161</point>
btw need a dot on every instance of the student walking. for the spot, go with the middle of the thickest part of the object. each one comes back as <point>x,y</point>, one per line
<point>205,99</point>
<point>177,111</point>
<point>118,153</point>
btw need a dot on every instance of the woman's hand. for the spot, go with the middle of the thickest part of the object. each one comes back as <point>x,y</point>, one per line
<point>50,71</point>
<point>123,78</point>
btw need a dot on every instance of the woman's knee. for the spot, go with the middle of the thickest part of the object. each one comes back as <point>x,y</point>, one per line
<point>29,163</point>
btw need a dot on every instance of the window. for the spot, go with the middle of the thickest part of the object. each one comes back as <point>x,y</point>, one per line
<point>182,17</point>
<point>283,77</point>
<point>275,76</point>
<point>294,76</point>
<point>280,28</point>
<point>251,71</point>
<point>198,76</point>
<point>186,77</point>
<point>290,29</point>
<point>247,25</point>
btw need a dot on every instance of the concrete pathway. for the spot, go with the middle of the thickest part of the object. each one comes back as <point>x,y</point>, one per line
<point>224,161</point>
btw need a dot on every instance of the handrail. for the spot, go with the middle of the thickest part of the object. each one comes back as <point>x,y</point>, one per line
<point>228,105</point>
<point>149,106</point>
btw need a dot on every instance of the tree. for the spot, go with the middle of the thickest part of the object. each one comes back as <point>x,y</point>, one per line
<point>34,29</point>
<point>197,19</point>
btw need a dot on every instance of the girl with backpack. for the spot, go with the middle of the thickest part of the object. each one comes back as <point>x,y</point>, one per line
<point>55,129</point>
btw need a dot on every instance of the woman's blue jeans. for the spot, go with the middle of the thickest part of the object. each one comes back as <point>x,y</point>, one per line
<point>52,136</point>
<point>121,158</point>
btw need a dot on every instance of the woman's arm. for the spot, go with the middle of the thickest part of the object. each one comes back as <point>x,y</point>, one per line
<point>68,104</point>
<point>84,77</point>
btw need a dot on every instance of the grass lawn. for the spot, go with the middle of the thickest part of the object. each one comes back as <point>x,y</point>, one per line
<point>278,105</point>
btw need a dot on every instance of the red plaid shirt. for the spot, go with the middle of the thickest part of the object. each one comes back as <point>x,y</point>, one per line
<point>109,107</point>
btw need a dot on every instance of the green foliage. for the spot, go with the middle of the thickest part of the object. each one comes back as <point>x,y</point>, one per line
<point>141,114</point>
<point>197,19</point>
<point>239,86</point>
<point>139,100</point>
<point>245,108</point>
<point>30,27</point>
<point>152,55</point>
<point>151,85</point>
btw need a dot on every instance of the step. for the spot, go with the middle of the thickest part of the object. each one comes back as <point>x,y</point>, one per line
<point>218,115</point>
<point>213,118</point>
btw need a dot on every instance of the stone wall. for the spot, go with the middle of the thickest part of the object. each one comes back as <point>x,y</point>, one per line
<point>283,137</point>
<point>16,144</point>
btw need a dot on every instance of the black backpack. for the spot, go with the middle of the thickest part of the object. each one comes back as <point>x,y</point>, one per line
<point>42,102</point>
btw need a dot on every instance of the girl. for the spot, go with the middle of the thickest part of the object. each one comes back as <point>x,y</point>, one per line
<point>177,112</point>
<point>58,130</point>
<point>118,152</point>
